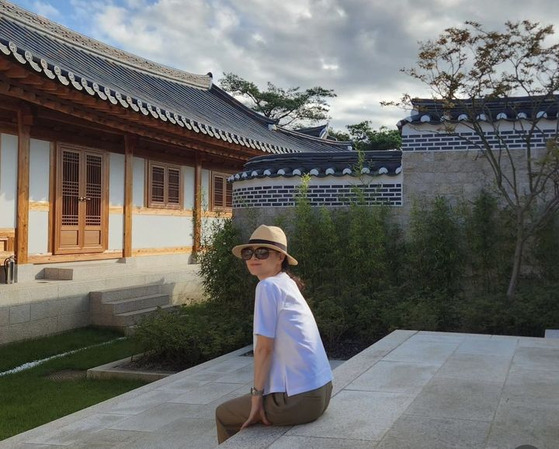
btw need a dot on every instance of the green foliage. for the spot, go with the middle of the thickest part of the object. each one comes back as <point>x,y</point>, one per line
<point>467,69</point>
<point>225,278</point>
<point>367,139</point>
<point>435,249</point>
<point>546,249</point>
<point>364,278</point>
<point>192,335</point>
<point>489,235</point>
<point>291,106</point>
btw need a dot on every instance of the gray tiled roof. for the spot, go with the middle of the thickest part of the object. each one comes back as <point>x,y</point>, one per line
<point>163,93</point>
<point>511,109</point>
<point>372,163</point>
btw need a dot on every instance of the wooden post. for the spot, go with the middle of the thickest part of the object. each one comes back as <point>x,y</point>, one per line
<point>24,122</point>
<point>129,146</point>
<point>197,207</point>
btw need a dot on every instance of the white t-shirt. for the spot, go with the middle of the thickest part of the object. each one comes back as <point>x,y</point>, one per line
<point>299,361</point>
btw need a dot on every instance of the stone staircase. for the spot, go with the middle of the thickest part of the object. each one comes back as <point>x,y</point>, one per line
<point>123,308</point>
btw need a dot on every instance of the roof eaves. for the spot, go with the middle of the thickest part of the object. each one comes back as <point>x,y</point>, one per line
<point>92,88</point>
<point>69,37</point>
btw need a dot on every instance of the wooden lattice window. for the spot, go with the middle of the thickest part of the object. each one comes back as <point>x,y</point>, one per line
<point>164,186</point>
<point>222,192</point>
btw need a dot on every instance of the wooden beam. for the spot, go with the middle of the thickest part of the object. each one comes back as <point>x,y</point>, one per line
<point>129,146</point>
<point>24,119</point>
<point>197,207</point>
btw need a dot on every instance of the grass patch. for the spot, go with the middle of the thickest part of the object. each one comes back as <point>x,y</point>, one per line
<point>30,398</point>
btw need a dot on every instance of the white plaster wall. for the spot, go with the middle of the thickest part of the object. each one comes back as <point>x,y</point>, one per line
<point>38,232</point>
<point>156,231</point>
<point>116,230</point>
<point>139,181</point>
<point>39,171</point>
<point>188,184</point>
<point>206,180</point>
<point>8,180</point>
<point>116,179</point>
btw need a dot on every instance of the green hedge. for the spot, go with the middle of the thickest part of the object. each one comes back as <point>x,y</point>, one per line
<point>365,278</point>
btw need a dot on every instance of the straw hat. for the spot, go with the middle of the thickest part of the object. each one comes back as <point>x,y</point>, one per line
<point>267,237</point>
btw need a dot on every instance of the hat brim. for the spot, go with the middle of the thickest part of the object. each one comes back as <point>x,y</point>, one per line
<point>237,251</point>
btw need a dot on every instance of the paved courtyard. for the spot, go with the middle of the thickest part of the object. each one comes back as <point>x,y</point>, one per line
<point>420,390</point>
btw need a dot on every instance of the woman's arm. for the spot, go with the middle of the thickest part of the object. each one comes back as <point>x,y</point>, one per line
<point>262,360</point>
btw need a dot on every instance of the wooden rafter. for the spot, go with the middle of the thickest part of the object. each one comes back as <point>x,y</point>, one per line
<point>34,88</point>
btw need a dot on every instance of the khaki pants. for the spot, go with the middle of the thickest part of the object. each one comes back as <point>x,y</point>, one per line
<point>281,410</point>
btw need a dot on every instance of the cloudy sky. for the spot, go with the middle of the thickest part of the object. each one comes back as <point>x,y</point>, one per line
<point>356,47</point>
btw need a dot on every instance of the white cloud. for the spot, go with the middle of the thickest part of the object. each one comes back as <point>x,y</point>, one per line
<point>356,47</point>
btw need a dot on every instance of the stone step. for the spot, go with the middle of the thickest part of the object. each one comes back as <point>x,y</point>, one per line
<point>122,293</point>
<point>129,319</point>
<point>128,304</point>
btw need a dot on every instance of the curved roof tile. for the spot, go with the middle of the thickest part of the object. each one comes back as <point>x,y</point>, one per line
<point>375,163</point>
<point>151,89</point>
<point>512,108</point>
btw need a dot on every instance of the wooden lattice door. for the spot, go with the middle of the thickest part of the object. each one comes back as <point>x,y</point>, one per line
<point>81,202</point>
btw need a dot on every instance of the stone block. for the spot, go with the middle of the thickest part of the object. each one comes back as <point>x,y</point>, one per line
<point>73,321</point>
<point>41,309</point>
<point>361,415</point>
<point>457,399</point>
<point>418,432</point>
<point>72,305</point>
<point>59,274</point>
<point>395,377</point>
<point>4,316</point>
<point>293,442</point>
<point>20,314</point>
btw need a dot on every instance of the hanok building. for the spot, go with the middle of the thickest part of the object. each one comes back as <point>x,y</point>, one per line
<point>111,169</point>
<point>106,155</point>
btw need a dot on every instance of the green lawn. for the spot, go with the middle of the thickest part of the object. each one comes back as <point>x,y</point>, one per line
<point>29,398</point>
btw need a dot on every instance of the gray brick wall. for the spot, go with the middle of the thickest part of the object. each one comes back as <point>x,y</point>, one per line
<point>334,195</point>
<point>470,141</point>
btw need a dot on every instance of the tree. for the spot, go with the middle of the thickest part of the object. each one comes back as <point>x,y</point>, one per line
<point>471,69</point>
<point>367,139</point>
<point>290,107</point>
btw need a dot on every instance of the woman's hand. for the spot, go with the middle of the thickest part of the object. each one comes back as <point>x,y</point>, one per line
<point>257,413</point>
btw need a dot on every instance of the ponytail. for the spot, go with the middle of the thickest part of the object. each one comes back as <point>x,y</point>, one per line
<point>296,279</point>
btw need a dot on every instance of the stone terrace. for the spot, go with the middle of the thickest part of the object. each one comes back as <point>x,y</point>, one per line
<point>420,390</point>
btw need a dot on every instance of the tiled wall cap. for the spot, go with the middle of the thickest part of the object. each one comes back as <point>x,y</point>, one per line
<point>330,171</point>
<point>425,118</point>
<point>314,172</point>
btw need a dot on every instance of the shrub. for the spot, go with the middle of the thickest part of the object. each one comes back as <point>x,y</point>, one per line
<point>435,251</point>
<point>191,335</point>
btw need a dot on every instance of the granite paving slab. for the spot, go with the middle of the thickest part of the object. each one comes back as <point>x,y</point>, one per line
<point>410,390</point>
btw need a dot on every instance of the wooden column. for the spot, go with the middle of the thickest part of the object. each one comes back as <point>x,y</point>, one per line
<point>129,146</point>
<point>197,207</point>
<point>24,122</point>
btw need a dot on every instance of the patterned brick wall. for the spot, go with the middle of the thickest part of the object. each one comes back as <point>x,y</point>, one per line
<point>333,195</point>
<point>447,142</point>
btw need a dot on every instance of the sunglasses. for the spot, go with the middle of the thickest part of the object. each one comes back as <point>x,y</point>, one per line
<point>260,253</point>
